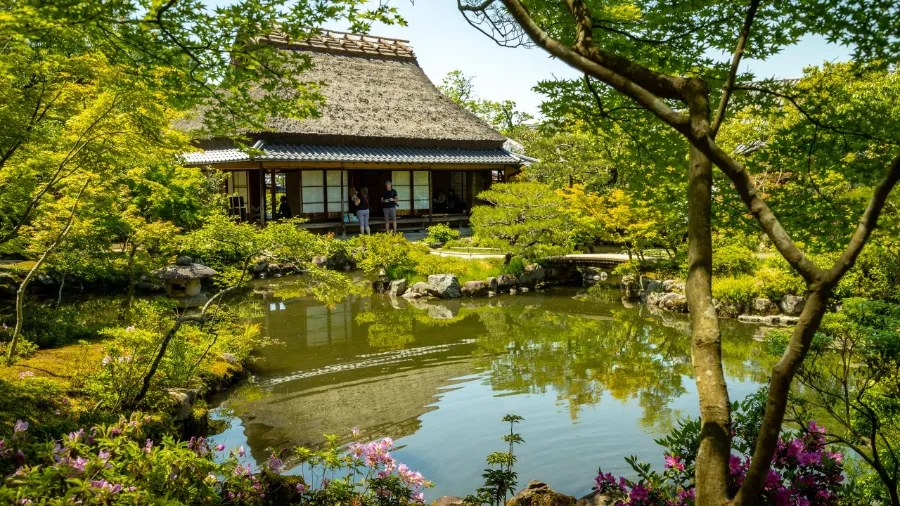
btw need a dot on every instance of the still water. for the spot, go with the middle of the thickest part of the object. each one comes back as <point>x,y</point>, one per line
<point>596,381</point>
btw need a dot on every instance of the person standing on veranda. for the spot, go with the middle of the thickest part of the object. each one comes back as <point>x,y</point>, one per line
<point>361,201</point>
<point>389,206</point>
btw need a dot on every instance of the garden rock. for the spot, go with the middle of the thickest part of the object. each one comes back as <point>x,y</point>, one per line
<point>654,298</point>
<point>445,286</point>
<point>475,288</point>
<point>448,500</point>
<point>319,261</point>
<point>259,268</point>
<point>506,281</point>
<point>728,309</point>
<point>595,498</point>
<point>398,288</point>
<point>676,302</point>
<point>533,274</point>
<point>540,494</point>
<point>229,357</point>
<point>792,305</point>
<point>672,285</point>
<point>493,284</point>
<point>651,285</point>
<point>417,291</point>
<point>184,400</point>
<point>630,287</point>
<point>763,306</point>
<point>339,261</point>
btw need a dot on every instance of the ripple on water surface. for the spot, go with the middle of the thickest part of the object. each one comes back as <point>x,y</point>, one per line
<point>595,381</point>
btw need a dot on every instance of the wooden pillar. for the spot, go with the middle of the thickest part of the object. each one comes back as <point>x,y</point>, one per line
<point>430,199</point>
<point>273,190</point>
<point>343,204</point>
<point>261,175</point>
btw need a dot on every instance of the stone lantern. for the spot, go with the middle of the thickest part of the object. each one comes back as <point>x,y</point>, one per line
<point>183,281</point>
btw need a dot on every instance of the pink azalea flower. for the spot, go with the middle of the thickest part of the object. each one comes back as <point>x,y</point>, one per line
<point>673,462</point>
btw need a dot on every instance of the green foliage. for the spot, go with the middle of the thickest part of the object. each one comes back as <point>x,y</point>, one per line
<point>391,254</point>
<point>117,464</point>
<point>851,376</point>
<point>130,350</point>
<point>516,266</point>
<point>441,233</point>
<point>503,115</point>
<point>734,290</point>
<point>876,274</point>
<point>734,260</point>
<point>775,279</point>
<point>527,216</point>
<point>499,479</point>
<point>48,327</point>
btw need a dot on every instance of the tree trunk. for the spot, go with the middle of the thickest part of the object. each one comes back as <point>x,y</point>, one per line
<point>706,340</point>
<point>129,296</point>
<point>62,284</point>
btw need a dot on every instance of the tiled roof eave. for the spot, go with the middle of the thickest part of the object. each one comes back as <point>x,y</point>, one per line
<point>355,154</point>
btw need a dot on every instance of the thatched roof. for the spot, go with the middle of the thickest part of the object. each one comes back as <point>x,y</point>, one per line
<point>375,94</point>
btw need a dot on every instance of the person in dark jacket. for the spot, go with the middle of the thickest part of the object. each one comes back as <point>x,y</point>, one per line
<point>389,206</point>
<point>284,209</point>
<point>361,200</point>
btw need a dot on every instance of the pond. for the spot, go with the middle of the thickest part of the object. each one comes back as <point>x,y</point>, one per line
<point>595,379</point>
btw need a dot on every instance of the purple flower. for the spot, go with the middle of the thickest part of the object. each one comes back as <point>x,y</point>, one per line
<point>241,451</point>
<point>78,464</point>
<point>103,455</point>
<point>301,488</point>
<point>20,426</point>
<point>149,446</point>
<point>220,447</point>
<point>814,428</point>
<point>773,480</point>
<point>809,458</point>
<point>275,463</point>
<point>639,493</point>
<point>26,374</point>
<point>355,431</point>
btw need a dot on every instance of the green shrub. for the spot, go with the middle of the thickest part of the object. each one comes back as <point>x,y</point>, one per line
<point>734,290</point>
<point>515,266</point>
<point>390,253</point>
<point>434,264</point>
<point>775,278</point>
<point>876,274</point>
<point>734,260</point>
<point>441,233</point>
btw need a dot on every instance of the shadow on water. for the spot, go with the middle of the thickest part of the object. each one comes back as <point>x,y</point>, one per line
<point>595,379</point>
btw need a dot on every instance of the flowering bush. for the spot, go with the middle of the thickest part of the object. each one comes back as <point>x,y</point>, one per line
<point>803,473</point>
<point>116,464</point>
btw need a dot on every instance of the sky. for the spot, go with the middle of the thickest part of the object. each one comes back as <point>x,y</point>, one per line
<point>443,41</point>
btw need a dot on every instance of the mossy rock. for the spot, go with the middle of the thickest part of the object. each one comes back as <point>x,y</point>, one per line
<point>540,494</point>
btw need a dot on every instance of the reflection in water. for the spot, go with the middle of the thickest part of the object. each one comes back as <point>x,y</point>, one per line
<point>595,380</point>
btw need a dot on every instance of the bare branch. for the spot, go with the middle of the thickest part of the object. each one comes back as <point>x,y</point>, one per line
<point>735,63</point>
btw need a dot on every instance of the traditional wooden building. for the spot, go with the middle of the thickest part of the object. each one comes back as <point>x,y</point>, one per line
<point>383,120</point>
